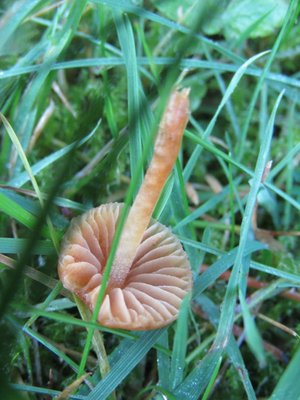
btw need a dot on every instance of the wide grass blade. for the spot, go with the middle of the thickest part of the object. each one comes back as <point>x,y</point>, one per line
<point>124,366</point>
<point>180,345</point>
<point>288,387</point>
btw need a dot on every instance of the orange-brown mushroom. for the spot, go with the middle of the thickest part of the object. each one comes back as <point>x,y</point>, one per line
<point>150,274</point>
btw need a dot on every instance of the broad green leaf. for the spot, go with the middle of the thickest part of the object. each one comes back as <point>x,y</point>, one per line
<point>241,14</point>
<point>189,12</point>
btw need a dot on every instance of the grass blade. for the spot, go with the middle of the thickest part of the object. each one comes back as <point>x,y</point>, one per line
<point>180,345</point>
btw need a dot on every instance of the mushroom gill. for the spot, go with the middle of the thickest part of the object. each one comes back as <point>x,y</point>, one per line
<point>158,279</point>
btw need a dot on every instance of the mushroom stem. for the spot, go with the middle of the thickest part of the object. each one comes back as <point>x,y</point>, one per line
<point>166,150</point>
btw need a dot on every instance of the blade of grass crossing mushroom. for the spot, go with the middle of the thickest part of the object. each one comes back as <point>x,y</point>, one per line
<point>168,141</point>
<point>121,222</point>
<point>289,20</point>
<point>64,319</point>
<point>98,344</point>
<point>32,238</point>
<point>227,315</point>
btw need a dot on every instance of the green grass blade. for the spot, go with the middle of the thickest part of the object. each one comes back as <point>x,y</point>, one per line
<point>180,345</point>
<point>277,80</point>
<point>27,167</point>
<point>16,245</point>
<point>253,264</point>
<point>233,351</point>
<point>287,159</point>
<point>204,208</point>
<point>209,276</point>
<point>213,378</point>
<point>124,366</point>
<point>227,315</point>
<point>288,387</point>
<point>214,150</point>
<point>195,383</point>
<point>289,19</point>
<point>126,40</point>
<point>56,40</point>
<point>253,337</point>
<point>163,361</point>
<point>17,14</point>
<point>54,350</point>
<point>14,210</point>
<point>23,177</point>
<point>127,6</point>
<point>39,390</point>
<point>232,86</point>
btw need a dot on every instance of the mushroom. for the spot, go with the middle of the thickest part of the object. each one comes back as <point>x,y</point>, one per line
<point>150,273</point>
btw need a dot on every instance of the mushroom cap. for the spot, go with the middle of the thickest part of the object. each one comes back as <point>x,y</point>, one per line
<point>159,278</point>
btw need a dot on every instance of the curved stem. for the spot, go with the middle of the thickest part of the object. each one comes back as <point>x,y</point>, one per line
<point>166,150</point>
